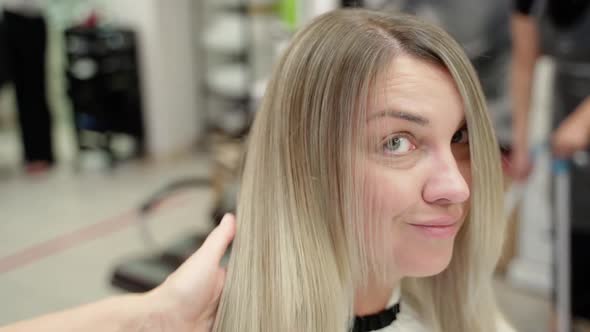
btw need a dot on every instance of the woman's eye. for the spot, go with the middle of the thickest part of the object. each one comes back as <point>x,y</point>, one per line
<point>460,137</point>
<point>398,145</point>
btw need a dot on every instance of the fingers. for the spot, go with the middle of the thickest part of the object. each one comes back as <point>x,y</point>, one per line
<point>556,145</point>
<point>220,284</point>
<point>520,166</point>
<point>561,152</point>
<point>205,262</point>
<point>217,242</point>
<point>571,136</point>
<point>564,146</point>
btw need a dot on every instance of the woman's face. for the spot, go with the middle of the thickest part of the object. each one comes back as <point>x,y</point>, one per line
<point>416,168</point>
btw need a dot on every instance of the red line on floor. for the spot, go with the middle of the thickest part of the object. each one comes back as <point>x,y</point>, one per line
<point>75,238</point>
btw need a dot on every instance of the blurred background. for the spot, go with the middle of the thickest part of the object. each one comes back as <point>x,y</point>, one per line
<point>122,125</point>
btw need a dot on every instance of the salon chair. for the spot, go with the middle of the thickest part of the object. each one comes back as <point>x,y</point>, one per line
<point>141,274</point>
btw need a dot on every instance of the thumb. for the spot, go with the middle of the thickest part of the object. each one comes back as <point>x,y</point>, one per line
<point>215,246</point>
<point>206,260</point>
<point>220,284</point>
<point>218,241</point>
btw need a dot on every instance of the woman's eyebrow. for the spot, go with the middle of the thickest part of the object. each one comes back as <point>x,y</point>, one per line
<point>407,116</point>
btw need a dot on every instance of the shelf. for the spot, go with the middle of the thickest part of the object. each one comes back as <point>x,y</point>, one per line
<point>226,34</point>
<point>230,80</point>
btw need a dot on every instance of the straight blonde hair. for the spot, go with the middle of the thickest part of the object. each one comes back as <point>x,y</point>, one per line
<point>298,253</point>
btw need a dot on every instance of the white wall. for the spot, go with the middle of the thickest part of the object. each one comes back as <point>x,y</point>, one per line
<point>313,8</point>
<point>168,60</point>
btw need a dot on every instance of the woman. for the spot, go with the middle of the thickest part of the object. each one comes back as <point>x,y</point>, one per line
<point>362,182</point>
<point>362,187</point>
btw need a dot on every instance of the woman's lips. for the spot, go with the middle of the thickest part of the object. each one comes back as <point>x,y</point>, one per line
<point>439,228</point>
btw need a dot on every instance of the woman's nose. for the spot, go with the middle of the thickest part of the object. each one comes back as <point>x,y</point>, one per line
<point>446,183</point>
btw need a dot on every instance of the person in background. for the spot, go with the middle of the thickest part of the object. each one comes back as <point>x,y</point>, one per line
<point>24,46</point>
<point>558,29</point>
<point>573,134</point>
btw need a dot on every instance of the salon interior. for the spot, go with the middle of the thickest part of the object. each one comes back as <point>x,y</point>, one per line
<point>150,103</point>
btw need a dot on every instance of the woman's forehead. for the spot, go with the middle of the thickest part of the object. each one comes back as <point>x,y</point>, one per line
<point>416,87</point>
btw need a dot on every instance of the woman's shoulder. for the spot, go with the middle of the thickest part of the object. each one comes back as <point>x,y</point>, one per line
<point>502,325</point>
<point>409,320</point>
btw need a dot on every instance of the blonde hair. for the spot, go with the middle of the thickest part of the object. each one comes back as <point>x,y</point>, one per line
<point>297,256</point>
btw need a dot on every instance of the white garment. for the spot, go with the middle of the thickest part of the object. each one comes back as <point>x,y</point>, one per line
<point>408,320</point>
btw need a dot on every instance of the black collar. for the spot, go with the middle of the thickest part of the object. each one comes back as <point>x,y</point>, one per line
<point>377,321</point>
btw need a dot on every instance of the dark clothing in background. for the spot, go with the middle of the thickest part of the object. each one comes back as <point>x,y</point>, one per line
<point>564,28</point>
<point>24,47</point>
<point>569,48</point>
<point>569,91</point>
<point>3,64</point>
<point>580,274</point>
<point>563,13</point>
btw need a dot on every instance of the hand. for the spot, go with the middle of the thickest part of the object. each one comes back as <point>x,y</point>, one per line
<point>520,165</point>
<point>572,135</point>
<point>188,299</point>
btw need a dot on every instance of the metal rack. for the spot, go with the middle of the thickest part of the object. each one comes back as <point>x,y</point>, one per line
<point>225,48</point>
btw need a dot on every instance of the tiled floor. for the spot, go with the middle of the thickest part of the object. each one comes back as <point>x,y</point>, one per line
<point>34,210</point>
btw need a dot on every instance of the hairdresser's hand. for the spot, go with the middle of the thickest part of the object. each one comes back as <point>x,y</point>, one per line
<point>520,165</point>
<point>188,299</point>
<point>573,134</point>
<point>569,138</point>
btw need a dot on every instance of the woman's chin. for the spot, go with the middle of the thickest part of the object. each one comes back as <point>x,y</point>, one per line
<point>428,265</point>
